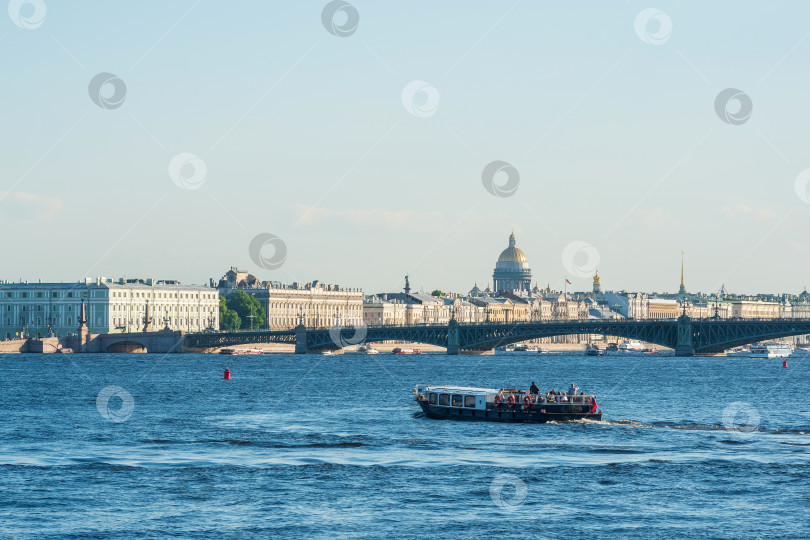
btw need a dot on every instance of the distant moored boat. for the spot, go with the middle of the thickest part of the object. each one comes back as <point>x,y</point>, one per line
<point>405,350</point>
<point>233,351</point>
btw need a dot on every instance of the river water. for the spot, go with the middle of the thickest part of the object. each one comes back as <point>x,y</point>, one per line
<point>152,446</point>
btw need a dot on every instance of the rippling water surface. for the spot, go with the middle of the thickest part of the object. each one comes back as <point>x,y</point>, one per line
<point>334,445</point>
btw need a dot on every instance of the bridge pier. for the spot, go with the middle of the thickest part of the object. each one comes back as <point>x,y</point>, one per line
<point>685,346</point>
<point>452,338</point>
<point>301,339</point>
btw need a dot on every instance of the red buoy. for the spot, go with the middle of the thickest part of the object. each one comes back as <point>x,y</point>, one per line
<point>227,375</point>
<point>784,362</point>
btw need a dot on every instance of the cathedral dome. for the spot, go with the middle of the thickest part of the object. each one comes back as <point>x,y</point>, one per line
<point>512,254</point>
<point>512,271</point>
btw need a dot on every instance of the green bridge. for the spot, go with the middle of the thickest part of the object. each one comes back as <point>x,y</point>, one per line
<point>686,336</point>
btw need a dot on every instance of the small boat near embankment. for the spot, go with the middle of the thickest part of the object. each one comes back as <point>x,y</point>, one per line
<point>594,350</point>
<point>405,350</point>
<point>503,405</point>
<point>234,351</point>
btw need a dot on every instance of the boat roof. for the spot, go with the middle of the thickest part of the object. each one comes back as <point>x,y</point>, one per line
<point>460,389</point>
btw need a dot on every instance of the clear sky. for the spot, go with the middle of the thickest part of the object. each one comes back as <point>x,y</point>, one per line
<point>606,112</point>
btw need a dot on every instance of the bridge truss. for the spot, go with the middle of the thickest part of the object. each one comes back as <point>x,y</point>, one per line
<point>685,335</point>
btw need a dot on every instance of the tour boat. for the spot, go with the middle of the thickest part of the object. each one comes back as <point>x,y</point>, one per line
<point>405,350</point>
<point>503,405</point>
<point>739,351</point>
<point>367,349</point>
<point>229,350</point>
<point>771,350</point>
<point>327,352</point>
<point>650,350</point>
<point>593,350</point>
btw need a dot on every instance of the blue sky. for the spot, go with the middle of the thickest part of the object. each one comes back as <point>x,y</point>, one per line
<point>305,135</point>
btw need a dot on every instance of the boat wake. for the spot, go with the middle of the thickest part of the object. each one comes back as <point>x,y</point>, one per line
<point>689,426</point>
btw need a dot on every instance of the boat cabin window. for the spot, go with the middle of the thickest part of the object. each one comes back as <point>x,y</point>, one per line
<point>444,399</point>
<point>469,401</point>
<point>456,400</point>
<point>432,398</point>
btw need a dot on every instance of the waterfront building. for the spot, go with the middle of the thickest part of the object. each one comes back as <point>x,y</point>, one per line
<point>707,310</point>
<point>629,305</point>
<point>42,309</point>
<point>313,304</point>
<point>377,312</point>
<point>755,309</point>
<point>502,309</point>
<point>464,311</point>
<point>512,271</point>
<point>663,308</point>
<point>407,308</point>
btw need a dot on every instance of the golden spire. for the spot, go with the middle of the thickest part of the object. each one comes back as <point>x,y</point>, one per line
<point>596,278</point>
<point>683,284</point>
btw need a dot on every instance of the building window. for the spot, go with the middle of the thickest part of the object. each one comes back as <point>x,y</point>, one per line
<point>54,295</point>
<point>39,295</point>
<point>70,295</point>
<point>25,295</point>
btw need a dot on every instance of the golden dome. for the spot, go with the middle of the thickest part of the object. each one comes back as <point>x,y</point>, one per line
<point>596,278</point>
<point>512,254</point>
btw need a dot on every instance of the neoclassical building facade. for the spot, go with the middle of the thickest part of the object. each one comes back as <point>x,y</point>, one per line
<point>123,305</point>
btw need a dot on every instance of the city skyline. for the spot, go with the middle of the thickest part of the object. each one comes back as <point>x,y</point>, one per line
<point>364,152</point>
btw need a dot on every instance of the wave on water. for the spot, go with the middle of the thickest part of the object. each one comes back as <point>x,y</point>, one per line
<point>238,442</point>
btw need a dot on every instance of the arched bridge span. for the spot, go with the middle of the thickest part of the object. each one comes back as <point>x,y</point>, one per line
<point>685,335</point>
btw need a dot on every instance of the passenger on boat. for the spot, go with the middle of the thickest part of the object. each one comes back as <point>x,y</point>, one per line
<point>534,389</point>
<point>564,399</point>
<point>573,390</point>
<point>593,404</point>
